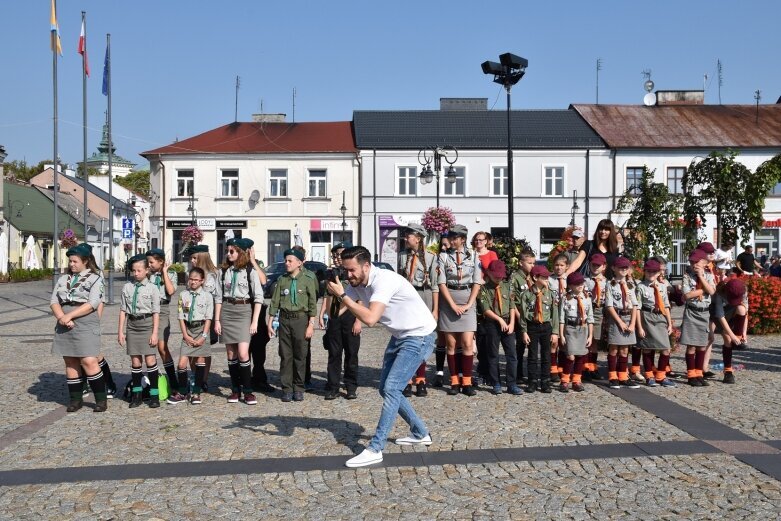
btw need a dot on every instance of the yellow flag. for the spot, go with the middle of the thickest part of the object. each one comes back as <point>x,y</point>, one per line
<point>55,29</point>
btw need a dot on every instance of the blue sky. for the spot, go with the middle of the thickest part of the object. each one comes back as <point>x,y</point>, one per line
<point>175,61</point>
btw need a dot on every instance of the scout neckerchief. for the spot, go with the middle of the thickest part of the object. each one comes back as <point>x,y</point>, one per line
<point>294,290</point>
<point>658,300</point>
<point>75,280</point>
<point>459,270</point>
<point>498,299</point>
<point>581,309</point>
<point>193,295</point>
<point>624,291</point>
<point>699,286</point>
<point>413,256</point>
<point>597,292</point>
<point>234,275</point>
<point>538,307</point>
<point>135,295</point>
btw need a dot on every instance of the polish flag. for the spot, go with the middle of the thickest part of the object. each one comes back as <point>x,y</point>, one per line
<point>83,47</point>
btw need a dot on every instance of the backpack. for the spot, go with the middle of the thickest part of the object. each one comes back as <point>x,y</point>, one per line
<point>249,270</point>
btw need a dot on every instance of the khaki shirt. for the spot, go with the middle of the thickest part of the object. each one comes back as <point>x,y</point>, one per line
<point>569,309</point>
<point>211,282</point>
<point>79,288</point>
<point>157,280</point>
<point>147,298</point>
<point>646,296</point>
<point>305,294</point>
<point>591,285</point>
<point>425,269</point>
<point>614,298</point>
<point>527,308</point>
<point>486,299</point>
<point>195,306</point>
<point>520,283</point>
<point>459,268</point>
<point>558,285</point>
<point>690,284</point>
<point>234,284</point>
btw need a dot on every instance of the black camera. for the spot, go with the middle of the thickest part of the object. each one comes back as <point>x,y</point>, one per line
<point>332,273</point>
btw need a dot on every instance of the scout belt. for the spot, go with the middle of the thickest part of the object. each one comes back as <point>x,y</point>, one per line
<point>71,303</point>
<point>232,300</point>
<point>695,307</point>
<point>574,322</point>
<point>139,317</point>
<point>457,286</point>
<point>290,315</point>
<point>195,323</point>
<point>651,309</point>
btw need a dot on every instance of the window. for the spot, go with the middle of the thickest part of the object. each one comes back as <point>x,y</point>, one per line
<point>184,183</point>
<point>776,190</point>
<point>548,239</point>
<point>317,183</point>
<point>277,183</point>
<point>459,187</point>
<point>230,183</point>
<point>499,180</point>
<point>675,179</point>
<point>634,177</point>
<point>408,180</point>
<point>553,184</point>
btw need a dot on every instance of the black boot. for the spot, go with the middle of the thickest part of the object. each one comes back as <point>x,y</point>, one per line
<point>100,406</point>
<point>74,405</point>
<point>135,400</point>
<point>421,391</point>
<point>454,390</point>
<point>545,387</point>
<point>407,392</point>
<point>469,390</point>
<point>533,386</point>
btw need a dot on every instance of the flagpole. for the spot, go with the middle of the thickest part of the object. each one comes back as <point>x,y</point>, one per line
<point>55,242</point>
<point>107,73</point>
<point>84,172</point>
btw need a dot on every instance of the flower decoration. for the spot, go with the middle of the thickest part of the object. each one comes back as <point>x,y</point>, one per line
<point>509,251</point>
<point>192,235</point>
<point>438,219</point>
<point>68,239</point>
<point>764,304</point>
<point>563,245</point>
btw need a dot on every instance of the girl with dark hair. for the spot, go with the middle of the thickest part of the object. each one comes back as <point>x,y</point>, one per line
<point>606,241</point>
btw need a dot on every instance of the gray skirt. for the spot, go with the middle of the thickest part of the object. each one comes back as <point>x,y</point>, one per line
<point>427,297</point>
<point>655,326</point>
<point>616,337</point>
<point>695,327</point>
<point>137,336</point>
<point>599,323</point>
<point>164,328</point>
<point>235,321</point>
<point>449,321</point>
<point>187,350</point>
<point>576,337</point>
<point>81,341</point>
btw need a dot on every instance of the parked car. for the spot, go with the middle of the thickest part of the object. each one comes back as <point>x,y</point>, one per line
<point>383,265</point>
<point>276,270</point>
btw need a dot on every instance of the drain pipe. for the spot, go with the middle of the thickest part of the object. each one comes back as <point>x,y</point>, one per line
<point>588,193</point>
<point>374,205</point>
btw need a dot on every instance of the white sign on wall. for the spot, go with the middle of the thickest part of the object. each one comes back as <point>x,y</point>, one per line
<point>206,224</point>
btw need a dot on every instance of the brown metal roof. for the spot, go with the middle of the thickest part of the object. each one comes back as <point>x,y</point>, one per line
<point>685,126</point>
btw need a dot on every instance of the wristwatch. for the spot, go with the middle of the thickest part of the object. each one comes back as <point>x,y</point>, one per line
<point>204,335</point>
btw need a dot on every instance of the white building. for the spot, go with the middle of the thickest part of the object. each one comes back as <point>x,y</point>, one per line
<point>276,183</point>
<point>120,166</point>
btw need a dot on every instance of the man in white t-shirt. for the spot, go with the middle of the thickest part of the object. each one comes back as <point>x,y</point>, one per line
<point>388,298</point>
<point>723,259</point>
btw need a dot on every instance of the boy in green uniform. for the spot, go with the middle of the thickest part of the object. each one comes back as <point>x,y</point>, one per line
<point>295,297</point>
<point>539,318</point>
<point>520,281</point>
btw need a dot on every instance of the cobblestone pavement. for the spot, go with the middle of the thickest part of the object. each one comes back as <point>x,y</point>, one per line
<point>36,434</point>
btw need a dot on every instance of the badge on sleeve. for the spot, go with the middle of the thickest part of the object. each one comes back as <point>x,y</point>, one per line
<point>286,292</point>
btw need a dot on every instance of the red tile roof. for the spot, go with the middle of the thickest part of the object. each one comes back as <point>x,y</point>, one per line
<point>684,126</point>
<point>266,138</point>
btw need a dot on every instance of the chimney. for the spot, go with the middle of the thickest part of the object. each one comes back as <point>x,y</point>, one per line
<point>268,118</point>
<point>680,97</point>
<point>463,103</point>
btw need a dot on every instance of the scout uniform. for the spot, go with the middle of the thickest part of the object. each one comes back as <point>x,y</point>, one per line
<point>596,290</point>
<point>576,316</point>
<point>500,299</point>
<point>725,305</point>
<point>296,300</point>
<point>619,295</point>
<point>195,308</point>
<point>210,284</point>
<point>695,326</point>
<point>539,318</point>
<point>654,316</point>
<point>165,299</point>
<point>139,301</point>
<point>558,285</point>
<point>520,282</point>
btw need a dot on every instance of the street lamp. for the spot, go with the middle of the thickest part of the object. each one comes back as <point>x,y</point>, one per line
<point>191,208</point>
<point>435,155</point>
<point>343,209</point>
<point>575,207</point>
<point>508,72</point>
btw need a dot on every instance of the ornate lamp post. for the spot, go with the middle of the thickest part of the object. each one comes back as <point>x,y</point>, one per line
<point>435,155</point>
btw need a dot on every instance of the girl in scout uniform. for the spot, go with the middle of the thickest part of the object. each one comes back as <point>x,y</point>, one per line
<point>558,285</point>
<point>200,258</point>
<point>196,309</point>
<point>621,305</point>
<point>576,331</point>
<point>419,267</point>
<point>539,318</point>
<point>655,325</point>
<point>165,279</point>
<point>595,287</point>
<point>440,353</point>
<point>496,304</point>
<point>75,301</point>
<point>460,279</point>
<point>139,312</point>
<point>698,286</point>
<point>729,313</point>
<point>236,312</point>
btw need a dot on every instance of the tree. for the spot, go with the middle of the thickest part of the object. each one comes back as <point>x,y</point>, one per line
<point>20,171</point>
<point>654,213</point>
<point>91,170</point>
<point>137,182</point>
<point>720,185</point>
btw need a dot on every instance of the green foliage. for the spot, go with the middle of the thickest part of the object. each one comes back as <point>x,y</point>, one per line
<point>23,275</point>
<point>722,186</point>
<point>137,182</point>
<point>178,267</point>
<point>21,171</point>
<point>654,213</point>
<point>509,251</point>
<point>91,170</point>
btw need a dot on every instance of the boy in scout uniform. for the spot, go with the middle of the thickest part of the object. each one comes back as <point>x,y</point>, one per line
<point>596,285</point>
<point>539,318</point>
<point>419,267</point>
<point>520,282</point>
<point>196,309</point>
<point>496,304</point>
<point>295,297</point>
<point>139,309</point>
<point>165,279</point>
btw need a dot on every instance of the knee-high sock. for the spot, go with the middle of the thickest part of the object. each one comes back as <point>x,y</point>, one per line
<point>233,371</point>
<point>459,360</point>
<point>98,384</point>
<point>420,374</point>
<point>726,354</point>
<point>151,373</point>
<point>109,378</point>
<point>451,365</point>
<point>554,362</point>
<point>200,376</point>
<point>579,365</point>
<point>183,381</point>
<point>562,359</point>
<point>245,370</point>
<point>648,364</point>
<point>467,362</point>
<point>691,368</point>
<point>612,367</point>
<point>441,354</point>
<point>170,372</point>
<point>566,370</point>
<point>661,373</point>
<point>74,389</point>
<point>623,362</point>
<point>699,361</point>
<point>637,354</point>
<point>135,378</point>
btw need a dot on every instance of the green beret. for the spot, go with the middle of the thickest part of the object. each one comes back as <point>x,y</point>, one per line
<point>198,248</point>
<point>82,250</point>
<point>155,251</point>
<point>342,245</point>
<point>135,258</point>
<point>458,229</point>
<point>295,253</point>
<point>241,243</point>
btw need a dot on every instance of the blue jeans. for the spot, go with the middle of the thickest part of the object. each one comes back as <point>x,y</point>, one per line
<point>402,358</point>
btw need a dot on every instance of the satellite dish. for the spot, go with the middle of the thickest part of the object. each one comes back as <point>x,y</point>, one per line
<point>649,99</point>
<point>253,199</point>
<point>648,85</point>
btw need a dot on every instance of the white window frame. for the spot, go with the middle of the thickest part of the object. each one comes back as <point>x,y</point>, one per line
<point>667,177</point>
<point>505,188</point>
<point>324,179</point>
<point>187,180</point>
<point>444,184</point>
<point>230,178</point>
<point>545,169</point>
<point>278,180</point>
<point>626,177</point>
<point>414,179</point>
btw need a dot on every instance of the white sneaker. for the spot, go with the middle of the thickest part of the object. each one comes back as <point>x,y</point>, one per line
<point>412,440</point>
<point>367,457</point>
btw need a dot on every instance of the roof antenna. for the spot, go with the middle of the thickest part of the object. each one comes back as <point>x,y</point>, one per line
<point>294,104</point>
<point>757,96</point>
<point>236,105</point>
<point>599,68</point>
<point>649,100</point>
<point>721,77</point>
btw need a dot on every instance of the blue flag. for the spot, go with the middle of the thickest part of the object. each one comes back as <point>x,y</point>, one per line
<point>106,71</point>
